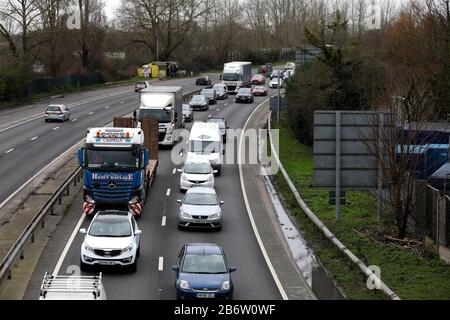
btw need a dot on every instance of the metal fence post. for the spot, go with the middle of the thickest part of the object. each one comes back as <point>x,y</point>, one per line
<point>338,166</point>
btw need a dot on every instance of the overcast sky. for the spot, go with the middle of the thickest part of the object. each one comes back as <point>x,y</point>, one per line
<point>110,7</point>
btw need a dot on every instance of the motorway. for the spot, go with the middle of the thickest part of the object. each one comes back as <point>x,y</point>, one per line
<point>162,241</point>
<point>34,144</point>
<point>28,146</point>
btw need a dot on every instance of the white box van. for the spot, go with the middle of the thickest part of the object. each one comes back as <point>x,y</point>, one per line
<point>205,142</point>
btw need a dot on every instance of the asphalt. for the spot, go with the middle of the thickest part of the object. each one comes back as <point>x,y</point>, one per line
<point>27,148</point>
<point>253,280</point>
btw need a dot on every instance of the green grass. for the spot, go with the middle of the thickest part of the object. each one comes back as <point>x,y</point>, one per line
<point>401,269</point>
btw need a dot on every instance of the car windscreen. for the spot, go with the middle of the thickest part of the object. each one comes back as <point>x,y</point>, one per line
<point>186,108</point>
<point>54,109</point>
<point>200,199</point>
<point>259,87</point>
<point>204,264</point>
<point>220,88</point>
<point>245,91</point>
<point>110,229</point>
<point>163,116</point>
<point>208,93</point>
<point>230,77</point>
<point>198,99</point>
<point>204,147</point>
<point>197,168</point>
<point>112,160</point>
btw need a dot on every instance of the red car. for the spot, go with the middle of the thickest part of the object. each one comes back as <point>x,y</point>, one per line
<point>259,91</point>
<point>258,79</point>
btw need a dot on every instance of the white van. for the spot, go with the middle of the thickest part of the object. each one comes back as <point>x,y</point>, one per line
<point>206,142</point>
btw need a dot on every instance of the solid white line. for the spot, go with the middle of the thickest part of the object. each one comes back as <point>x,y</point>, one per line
<point>161,264</point>
<point>168,192</point>
<point>250,214</point>
<point>34,138</point>
<point>9,151</point>
<point>68,245</point>
<point>163,222</point>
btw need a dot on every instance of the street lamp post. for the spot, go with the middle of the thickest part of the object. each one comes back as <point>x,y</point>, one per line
<point>157,41</point>
<point>279,100</point>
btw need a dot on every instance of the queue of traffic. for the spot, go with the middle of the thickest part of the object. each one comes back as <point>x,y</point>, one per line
<point>120,165</point>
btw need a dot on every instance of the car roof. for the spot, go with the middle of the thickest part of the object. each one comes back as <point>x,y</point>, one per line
<point>203,248</point>
<point>201,190</point>
<point>199,95</point>
<point>56,105</point>
<point>216,119</point>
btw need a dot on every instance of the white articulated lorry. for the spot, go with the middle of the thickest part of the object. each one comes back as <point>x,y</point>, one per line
<point>164,103</point>
<point>237,75</point>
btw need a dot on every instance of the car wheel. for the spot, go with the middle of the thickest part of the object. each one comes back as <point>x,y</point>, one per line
<point>133,267</point>
<point>84,266</point>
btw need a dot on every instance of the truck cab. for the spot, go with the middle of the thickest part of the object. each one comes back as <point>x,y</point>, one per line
<point>164,103</point>
<point>237,75</point>
<point>114,162</point>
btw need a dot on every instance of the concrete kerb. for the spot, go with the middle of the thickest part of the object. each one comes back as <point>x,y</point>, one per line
<point>319,224</point>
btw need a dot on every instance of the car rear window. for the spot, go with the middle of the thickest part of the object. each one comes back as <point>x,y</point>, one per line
<point>53,108</point>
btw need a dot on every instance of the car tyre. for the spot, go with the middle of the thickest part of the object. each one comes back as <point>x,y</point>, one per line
<point>84,266</point>
<point>133,267</point>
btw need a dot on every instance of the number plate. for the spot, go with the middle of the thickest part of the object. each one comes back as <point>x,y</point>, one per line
<point>206,295</point>
<point>201,221</point>
<point>107,263</point>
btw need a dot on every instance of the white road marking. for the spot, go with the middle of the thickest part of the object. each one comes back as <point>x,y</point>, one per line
<point>107,107</point>
<point>34,138</point>
<point>122,102</point>
<point>74,120</point>
<point>91,113</point>
<point>163,222</point>
<point>210,116</point>
<point>68,245</point>
<point>250,214</point>
<point>9,151</point>
<point>54,129</point>
<point>161,264</point>
<point>218,109</point>
<point>174,171</point>
<point>168,192</point>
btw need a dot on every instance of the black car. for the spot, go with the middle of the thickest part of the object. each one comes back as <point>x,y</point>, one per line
<point>210,94</point>
<point>199,102</point>
<point>221,90</point>
<point>203,81</point>
<point>245,95</point>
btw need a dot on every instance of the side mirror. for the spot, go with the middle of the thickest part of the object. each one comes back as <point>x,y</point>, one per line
<point>228,127</point>
<point>215,171</point>
<point>179,201</point>
<point>138,232</point>
<point>176,268</point>
<point>232,269</point>
<point>146,157</point>
<point>222,203</point>
<point>179,170</point>
<point>81,157</point>
<point>83,231</point>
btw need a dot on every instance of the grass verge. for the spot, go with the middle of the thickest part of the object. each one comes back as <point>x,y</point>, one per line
<point>410,275</point>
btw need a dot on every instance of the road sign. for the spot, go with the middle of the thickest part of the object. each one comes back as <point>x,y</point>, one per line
<point>274,104</point>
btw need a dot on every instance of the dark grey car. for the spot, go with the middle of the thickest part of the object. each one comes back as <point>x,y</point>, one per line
<point>188,114</point>
<point>210,94</point>
<point>199,102</point>
<point>245,95</point>
<point>222,92</point>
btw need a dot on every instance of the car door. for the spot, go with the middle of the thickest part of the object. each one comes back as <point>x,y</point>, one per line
<point>179,263</point>
<point>66,112</point>
<point>137,238</point>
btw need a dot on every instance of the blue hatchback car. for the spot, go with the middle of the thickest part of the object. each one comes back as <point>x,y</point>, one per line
<point>202,272</point>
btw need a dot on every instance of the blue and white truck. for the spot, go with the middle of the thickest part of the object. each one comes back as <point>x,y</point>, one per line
<point>117,169</point>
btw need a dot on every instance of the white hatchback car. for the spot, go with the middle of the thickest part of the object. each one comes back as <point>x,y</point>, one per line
<point>113,239</point>
<point>57,112</point>
<point>196,173</point>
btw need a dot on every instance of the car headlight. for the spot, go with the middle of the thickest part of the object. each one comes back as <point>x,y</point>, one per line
<point>184,178</point>
<point>89,199</point>
<point>127,249</point>
<point>215,216</point>
<point>226,285</point>
<point>88,248</point>
<point>183,284</point>
<point>134,200</point>
<point>185,215</point>
<point>211,178</point>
